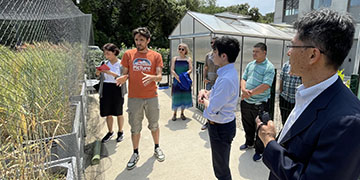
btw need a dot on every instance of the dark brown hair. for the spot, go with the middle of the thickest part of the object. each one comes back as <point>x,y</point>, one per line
<point>111,47</point>
<point>142,31</point>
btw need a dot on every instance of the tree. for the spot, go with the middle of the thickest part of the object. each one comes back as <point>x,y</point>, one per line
<point>114,20</point>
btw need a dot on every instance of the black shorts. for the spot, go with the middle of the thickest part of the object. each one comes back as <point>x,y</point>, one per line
<point>111,103</point>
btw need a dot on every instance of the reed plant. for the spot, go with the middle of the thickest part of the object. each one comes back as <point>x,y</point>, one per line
<point>37,81</point>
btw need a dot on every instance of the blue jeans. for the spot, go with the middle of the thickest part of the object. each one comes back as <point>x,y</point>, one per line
<point>221,137</point>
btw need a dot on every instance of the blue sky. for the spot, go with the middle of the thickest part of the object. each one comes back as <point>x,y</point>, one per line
<point>265,6</point>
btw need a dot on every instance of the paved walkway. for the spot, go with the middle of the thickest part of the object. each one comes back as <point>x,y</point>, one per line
<point>186,147</point>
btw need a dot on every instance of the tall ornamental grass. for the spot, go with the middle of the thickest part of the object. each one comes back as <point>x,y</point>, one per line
<point>36,82</point>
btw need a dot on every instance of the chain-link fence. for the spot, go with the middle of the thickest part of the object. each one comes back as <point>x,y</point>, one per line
<point>42,45</point>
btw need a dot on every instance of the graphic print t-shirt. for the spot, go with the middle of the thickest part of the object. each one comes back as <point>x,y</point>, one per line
<point>137,63</point>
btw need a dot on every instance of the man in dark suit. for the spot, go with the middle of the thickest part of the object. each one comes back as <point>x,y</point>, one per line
<point>320,139</point>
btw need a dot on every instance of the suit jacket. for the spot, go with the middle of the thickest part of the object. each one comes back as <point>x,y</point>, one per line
<point>324,142</point>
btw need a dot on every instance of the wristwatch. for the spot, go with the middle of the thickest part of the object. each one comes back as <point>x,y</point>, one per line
<point>116,77</point>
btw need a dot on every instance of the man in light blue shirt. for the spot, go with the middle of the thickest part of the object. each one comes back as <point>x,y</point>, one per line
<point>255,92</point>
<point>220,104</point>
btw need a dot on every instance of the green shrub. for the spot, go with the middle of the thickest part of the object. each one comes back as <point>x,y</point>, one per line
<point>93,58</point>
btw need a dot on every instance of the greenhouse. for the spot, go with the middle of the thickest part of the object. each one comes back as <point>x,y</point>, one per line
<point>196,30</point>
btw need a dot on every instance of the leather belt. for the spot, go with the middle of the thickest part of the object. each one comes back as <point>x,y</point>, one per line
<point>212,122</point>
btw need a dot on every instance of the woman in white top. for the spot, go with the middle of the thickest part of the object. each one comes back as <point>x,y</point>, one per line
<point>111,96</point>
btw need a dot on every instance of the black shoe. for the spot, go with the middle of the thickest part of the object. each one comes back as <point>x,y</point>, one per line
<point>245,147</point>
<point>183,117</point>
<point>120,137</point>
<point>107,137</point>
<point>174,117</point>
<point>257,157</point>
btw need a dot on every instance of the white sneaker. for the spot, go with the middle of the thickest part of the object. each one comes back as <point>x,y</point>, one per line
<point>132,162</point>
<point>160,156</point>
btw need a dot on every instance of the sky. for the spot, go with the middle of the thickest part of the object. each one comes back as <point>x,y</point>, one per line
<point>265,6</point>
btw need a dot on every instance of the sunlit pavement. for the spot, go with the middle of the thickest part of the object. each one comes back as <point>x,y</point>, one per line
<point>186,147</point>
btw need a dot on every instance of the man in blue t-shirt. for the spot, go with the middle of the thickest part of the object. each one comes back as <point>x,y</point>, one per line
<point>255,92</point>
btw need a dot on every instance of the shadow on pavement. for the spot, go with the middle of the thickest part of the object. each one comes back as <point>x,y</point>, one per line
<point>177,125</point>
<point>141,172</point>
<point>249,169</point>
<point>109,148</point>
<point>205,136</point>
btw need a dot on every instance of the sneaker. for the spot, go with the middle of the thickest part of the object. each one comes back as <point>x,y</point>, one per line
<point>120,137</point>
<point>183,117</point>
<point>174,117</point>
<point>245,147</point>
<point>107,137</point>
<point>205,126</point>
<point>257,157</point>
<point>160,156</point>
<point>132,162</point>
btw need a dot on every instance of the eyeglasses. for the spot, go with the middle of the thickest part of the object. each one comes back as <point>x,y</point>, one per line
<point>181,49</point>
<point>305,46</point>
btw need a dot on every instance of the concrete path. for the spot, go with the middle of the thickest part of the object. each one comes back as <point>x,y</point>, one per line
<point>186,147</point>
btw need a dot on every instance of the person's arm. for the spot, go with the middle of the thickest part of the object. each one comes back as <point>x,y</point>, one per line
<point>259,89</point>
<point>190,65</point>
<point>97,72</point>
<point>148,78</point>
<point>125,70</point>
<point>220,97</point>
<point>206,69</point>
<point>245,93</point>
<point>172,69</point>
<point>111,73</point>
<point>203,95</point>
<point>267,82</point>
<point>334,156</point>
<point>122,79</point>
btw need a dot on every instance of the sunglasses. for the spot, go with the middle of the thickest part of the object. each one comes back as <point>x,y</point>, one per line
<point>181,49</point>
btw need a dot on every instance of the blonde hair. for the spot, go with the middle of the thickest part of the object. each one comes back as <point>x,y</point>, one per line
<point>185,46</point>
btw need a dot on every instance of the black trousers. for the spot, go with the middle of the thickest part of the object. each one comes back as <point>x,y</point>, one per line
<point>249,112</point>
<point>221,137</point>
<point>285,109</point>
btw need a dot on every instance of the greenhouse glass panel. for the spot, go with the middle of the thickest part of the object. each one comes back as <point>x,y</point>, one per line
<point>285,51</point>
<point>176,31</point>
<point>244,29</point>
<point>260,30</point>
<point>202,47</point>
<point>238,59</point>
<point>354,2</point>
<point>277,32</point>
<point>248,49</point>
<point>187,25</point>
<point>174,47</point>
<point>199,28</point>
<point>275,52</point>
<point>214,23</point>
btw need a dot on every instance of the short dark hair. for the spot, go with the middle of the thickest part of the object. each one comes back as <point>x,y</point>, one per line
<point>228,45</point>
<point>329,31</point>
<point>111,47</point>
<point>142,31</point>
<point>261,45</point>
